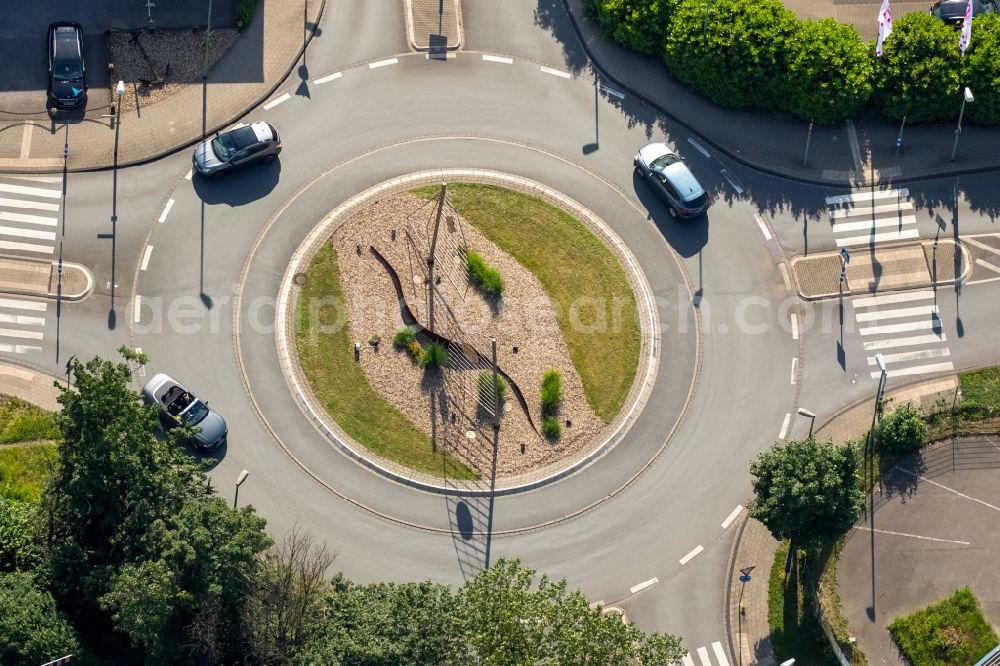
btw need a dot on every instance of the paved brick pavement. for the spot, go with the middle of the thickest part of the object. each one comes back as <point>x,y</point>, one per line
<point>41,277</point>
<point>434,25</point>
<point>30,386</point>
<point>750,634</point>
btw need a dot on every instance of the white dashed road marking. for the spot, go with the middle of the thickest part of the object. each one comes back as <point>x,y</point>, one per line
<point>138,309</point>
<point>795,326</point>
<point>166,211</point>
<point>501,59</point>
<point>763,227</point>
<point>555,72</point>
<point>784,426</point>
<point>612,91</point>
<point>325,79</point>
<point>276,101</point>
<point>145,258</point>
<point>690,556</point>
<point>383,63</point>
<point>643,585</point>
<point>795,367</point>
<point>697,146</point>
<point>188,175</point>
<point>731,517</point>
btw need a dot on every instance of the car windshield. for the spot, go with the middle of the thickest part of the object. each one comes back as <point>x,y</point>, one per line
<point>661,163</point>
<point>223,147</point>
<point>66,70</point>
<point>196,413</point>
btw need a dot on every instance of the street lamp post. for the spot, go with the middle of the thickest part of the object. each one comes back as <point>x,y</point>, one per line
<point>966,97</point>
<point>870,457</point>
<point>744,579</point>
<point>120,92</point>
<point>239,482</point>
<point>812,419</point>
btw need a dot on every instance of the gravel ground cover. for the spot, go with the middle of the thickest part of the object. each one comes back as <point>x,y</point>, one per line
<point>444,404</point>
<point>182,50</point>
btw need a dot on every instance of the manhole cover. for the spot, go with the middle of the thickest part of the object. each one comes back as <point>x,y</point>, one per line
<point>300,279</point>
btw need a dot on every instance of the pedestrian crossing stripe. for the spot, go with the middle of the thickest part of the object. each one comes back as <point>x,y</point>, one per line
<point>897,314</point>
<point>881,222</point>
<point>885,236</point>
<point>916,370</point>
<point>703,656</point>
<point>867,195</point>
<point>886,299</point>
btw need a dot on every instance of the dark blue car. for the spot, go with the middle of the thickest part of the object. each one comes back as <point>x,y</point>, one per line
<point>67,72</point>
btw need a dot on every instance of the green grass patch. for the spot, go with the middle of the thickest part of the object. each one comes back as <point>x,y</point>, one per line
<point>24,471</point>
<point>977,412</point>
<point>341,387</point>
<point>485,276</point>
<point>23,422</point>
<point>245,10</point>
<point>952,632</point>
<point>551,392</point>
<point>551,427</point>
<point>795,630</point>
<point>572,264</point>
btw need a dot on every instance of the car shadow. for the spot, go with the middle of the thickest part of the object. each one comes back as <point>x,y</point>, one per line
<point>239,187</point>
<point>686,237</point>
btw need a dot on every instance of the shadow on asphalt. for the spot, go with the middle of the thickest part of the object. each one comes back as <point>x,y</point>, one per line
<point>551,15</point>
<point>240,187</point>
<point>687,237</point>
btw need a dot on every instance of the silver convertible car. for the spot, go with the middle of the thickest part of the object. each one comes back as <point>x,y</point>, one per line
<point>670,177</point>
<point>179,406</point>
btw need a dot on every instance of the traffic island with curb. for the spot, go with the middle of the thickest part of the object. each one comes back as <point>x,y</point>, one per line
<point>434,26</point>
<point>25,276</point>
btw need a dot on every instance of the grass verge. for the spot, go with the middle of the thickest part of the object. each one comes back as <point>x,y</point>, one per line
<point>952,632</point>
<point>23,422</point>
<point>795,630</point>
<point>25,469</point>
<point>978,412</point>
<point>571,263</point>
<point>341,387</point>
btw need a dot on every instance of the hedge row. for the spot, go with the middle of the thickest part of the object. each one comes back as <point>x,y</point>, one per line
<point>757,54</point>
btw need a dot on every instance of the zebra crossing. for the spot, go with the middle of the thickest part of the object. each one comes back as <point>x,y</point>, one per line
<point>22,325</point>
<point>864,217</point>
<point>906,329</point>
<point>703,656</point>
<point>29,214</point>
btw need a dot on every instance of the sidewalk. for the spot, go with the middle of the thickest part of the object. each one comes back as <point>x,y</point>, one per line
<point>34,387</point>
<point>756,547</point>
<point>246,76</point>
<point>772,142</point>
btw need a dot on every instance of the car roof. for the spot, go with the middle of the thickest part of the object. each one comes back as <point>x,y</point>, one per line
<point>67,41</point>
<point>956,8</point>
<point>683,180</point>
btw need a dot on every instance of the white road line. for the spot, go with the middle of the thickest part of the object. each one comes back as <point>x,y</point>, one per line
<point>862,196</point>
<point>383,63</point>
<point>166,211</point>
<point>14,333</point>
<point>914,536</point>
<point>916,370</point>
<point>145,258</point>
<point>686,660</point>
<point>900,328</point>
<point>27,233</point>
<point>18,349</point>
<point>698,147</point>
<point>874,315</point>
<point>732,516</point>
<point>763,227</point>
<point>137,313</point>
<point>501,59</point>
<point>27,247</point>
<point>188,175</point>
<point>732,181</point>
<point>784,426</point>
<point>31,191</point>
<point>784,276</point>
<point>26,141</point>
<point>795,325</point>
<point>29,219</point>
<point>950,490</point>
<point>720,654</point>
<point>690,556</point>
<point>611,91</point>
<point>325,79</point>
<point>37,179</point>
<point>795,367</point>
<point>36,306</point>
<point>869,301</point>
<point>986,264</point>
<point>885,236</point>
<point>276,101</point>
<point>983,280</point>
<point>857,211</point>
<point>982,246</point>
<point>703,655</point>
<point>882,222</point>
<point>919,355</point>
<point>643,585</point>
<point>24,203</point>
<point>877,345</point>
<point>23,320</point>
<point>555,72</point>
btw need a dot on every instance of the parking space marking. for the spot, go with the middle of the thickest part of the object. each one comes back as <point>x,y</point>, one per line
<point>556,72</point>
<point>145,258</point>
<point>795,367</point>
<point>166,211</point>
<point>914,536</point>
<point>500,59</point>
<point>690,556</point>
<point>950,490</point>
<point>325,79</point>
<point>643,585</point>
<point>276,101</point>
<point>763,227</point>
<point>784,426</point>
<point>383,63</point>
<point>732,516</point>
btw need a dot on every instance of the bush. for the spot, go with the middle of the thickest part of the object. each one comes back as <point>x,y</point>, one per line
<point>485,383</point>
<point>982,69</point>
<point>551,392</point>
<point>433,356</point>
<point>637,24</point>
<point>950,632</point>
<point>245,10</point>
<point>488,279</point>
<point>918,73</point>
<point>829,75</point>
<point>415,349</point>
<point>900,431</point>
<point>32,630</point>
<point>738,61</point>
<point>403,337</point>
<point>19,551</point>
<point>551,427</point>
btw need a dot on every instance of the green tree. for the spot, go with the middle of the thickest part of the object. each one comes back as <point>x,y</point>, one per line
<point>738,58</point>
<point>982,69</point>
<point>807,491</point>
<point>637,24</point>
<point>918,73</point>
<point>20,549</point>
<point>504,617</point>
<point>900,430</point>
<point>32,631</point>
<point>829,71</point>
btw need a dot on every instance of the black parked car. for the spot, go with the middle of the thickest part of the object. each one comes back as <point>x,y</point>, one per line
<point>953,11</point>
<point>67,72</point>
<point>239,147</point>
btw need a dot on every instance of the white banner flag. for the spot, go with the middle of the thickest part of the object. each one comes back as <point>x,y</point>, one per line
<point>884,26</point>
<point>966,36</point>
